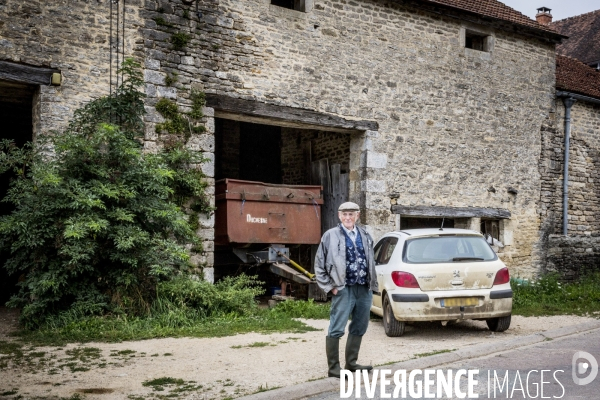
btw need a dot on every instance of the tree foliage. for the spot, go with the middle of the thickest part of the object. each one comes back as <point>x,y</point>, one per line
<point>97,221</point>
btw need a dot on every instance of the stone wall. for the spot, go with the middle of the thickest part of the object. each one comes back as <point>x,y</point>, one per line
<point>69,35</point>
<point>579,249</point>
<point>573,256</point>
<point>457,126</point>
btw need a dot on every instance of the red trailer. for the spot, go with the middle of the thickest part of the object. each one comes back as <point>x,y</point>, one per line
<point>255,212</point>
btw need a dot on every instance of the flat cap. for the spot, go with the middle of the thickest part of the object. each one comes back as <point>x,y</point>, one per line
<point>349,206</point>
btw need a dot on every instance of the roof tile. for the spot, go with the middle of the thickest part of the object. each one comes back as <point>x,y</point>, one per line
<point>494,9</point>
<point>584,37</point>
<point>574,76</point>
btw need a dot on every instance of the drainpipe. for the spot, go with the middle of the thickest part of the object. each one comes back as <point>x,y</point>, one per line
<point>568,101</point>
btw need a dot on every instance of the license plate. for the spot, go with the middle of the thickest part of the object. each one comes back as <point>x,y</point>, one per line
<point>459,301</point>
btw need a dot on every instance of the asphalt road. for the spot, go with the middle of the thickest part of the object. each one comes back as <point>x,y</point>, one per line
<point>542,370</point>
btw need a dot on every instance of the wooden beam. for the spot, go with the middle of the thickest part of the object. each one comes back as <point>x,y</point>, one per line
<point>451,212</point>
<point>26,73</point>
<point>271,114</point>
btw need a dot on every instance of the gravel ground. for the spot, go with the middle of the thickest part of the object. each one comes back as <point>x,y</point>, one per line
<point>229,367</point>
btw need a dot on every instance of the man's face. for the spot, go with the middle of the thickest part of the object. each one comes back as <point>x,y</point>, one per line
<point>348,218</point>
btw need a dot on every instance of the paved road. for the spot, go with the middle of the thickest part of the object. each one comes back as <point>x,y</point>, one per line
<point>518,372</point>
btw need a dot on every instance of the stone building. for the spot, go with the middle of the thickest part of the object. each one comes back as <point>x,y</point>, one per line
<point>570,230</point>
<point>435,109</point>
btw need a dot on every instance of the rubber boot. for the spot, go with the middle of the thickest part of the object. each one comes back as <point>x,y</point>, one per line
<point>352,349</point>
<point>332,347</point>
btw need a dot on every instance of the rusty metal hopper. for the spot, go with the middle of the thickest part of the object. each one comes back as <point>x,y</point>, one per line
<point>256,212</point>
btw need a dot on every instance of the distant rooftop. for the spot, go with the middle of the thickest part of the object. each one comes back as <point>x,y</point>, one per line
<point>584,37</point>
<point>574,76</point>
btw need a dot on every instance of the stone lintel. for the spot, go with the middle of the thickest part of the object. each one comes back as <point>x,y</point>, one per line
<point>26,73</point>
<point>271,114</point>
<point>455,212</point>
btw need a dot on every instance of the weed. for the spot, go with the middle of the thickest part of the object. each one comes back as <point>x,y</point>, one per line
<point>259,344</point>
<point>237,347</point>
<point>171,78</point>
<point>186,14</point>
<point>432,353</point>
<point>167,354</point>
<point>266,388</point>
<point>161,22</point>
<point>179,40</point>
<point>9,392</point>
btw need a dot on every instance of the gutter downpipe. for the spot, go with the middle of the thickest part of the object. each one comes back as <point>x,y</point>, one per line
<point>568,101</point>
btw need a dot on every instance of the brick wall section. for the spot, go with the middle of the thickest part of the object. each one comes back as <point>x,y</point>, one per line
<point>335,147</point>
<point>69,35</point>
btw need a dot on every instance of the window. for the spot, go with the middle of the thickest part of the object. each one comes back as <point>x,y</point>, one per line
<point>447,249</point>
<point>298,5</point>
<point>476,41</point>
<point>384,250</point>
<point>491,227</point>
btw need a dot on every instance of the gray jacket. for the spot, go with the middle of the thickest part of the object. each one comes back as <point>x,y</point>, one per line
<point>330,261</point>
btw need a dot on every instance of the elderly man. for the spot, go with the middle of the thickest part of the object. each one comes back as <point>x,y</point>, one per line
<point>345,266</point>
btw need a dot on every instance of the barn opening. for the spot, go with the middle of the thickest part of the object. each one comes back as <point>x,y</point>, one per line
<point>16,114</point>
<point>280,155</point>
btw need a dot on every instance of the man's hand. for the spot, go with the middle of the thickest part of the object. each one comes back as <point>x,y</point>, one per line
<point>334,291</point>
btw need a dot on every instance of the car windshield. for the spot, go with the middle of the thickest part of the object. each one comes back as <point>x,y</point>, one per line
<point>440,249</point>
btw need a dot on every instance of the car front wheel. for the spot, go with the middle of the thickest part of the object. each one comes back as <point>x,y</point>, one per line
<point>498,324</point>
<point>392,327</point>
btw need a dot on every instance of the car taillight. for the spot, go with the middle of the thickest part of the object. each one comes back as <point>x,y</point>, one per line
<point>404,279</point>
<point>502,276</point>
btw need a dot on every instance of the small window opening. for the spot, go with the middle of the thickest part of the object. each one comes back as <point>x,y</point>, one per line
<point>298,5</point>
<point>491,227</point>
<point>475,41</point>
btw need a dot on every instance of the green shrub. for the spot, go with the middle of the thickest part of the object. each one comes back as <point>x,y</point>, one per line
<point>97,222</point>
<point>231,295</point>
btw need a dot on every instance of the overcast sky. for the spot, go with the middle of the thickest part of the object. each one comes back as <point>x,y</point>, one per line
<point>561,9</point>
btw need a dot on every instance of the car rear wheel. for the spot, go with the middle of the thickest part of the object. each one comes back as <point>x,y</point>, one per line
<point>392,327</point>
<point>498,324</point>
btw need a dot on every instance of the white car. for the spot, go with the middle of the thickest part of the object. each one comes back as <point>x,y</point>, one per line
<point>440,275</point>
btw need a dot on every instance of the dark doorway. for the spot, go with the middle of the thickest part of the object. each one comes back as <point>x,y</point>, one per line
<point>247,151</point>
<point>418,223</point>
<point>260,155</point>
<point>16,114</point>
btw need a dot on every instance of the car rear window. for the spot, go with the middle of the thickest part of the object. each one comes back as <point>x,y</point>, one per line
<point>447,249</point>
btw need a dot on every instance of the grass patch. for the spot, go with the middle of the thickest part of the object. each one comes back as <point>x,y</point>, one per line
<point>173,385</point>
<point>303,309</point>
<point>171,324</point>
<point>433,353</point>
<point>550,296</point>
